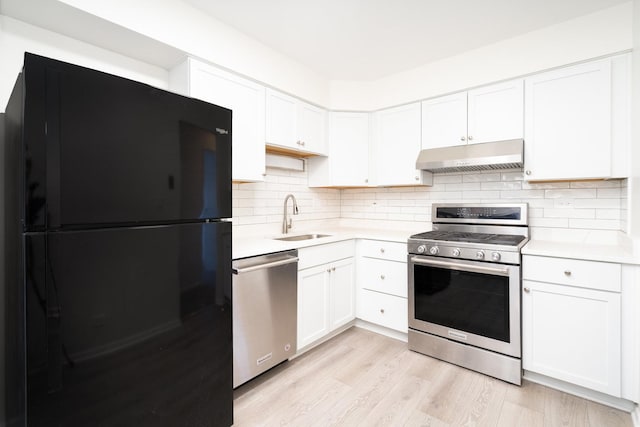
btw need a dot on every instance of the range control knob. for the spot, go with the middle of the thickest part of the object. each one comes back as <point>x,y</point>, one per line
<point>480,255</point>
<point>434,250</point>
<point>495,256</point>
<point>456,252</point>
<point>422,249</point>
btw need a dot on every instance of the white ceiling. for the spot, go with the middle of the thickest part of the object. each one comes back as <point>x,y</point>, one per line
<point>369,39</point>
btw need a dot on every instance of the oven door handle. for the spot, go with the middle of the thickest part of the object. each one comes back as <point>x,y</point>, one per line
<point>463,267</point>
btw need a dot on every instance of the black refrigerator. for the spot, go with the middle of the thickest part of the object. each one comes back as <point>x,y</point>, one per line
<point>118,253</point>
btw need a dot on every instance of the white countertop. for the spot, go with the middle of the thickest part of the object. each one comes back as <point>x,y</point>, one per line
<point>257,244</point>
<point>591,246</point>
<point>587,245</point>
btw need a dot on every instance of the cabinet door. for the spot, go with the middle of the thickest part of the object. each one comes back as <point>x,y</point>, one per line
<point>444,121</point>
<point>496,112</point>
<point>342,292</point>
<point>312,123</point>
<point>398,145</point>
<point>313,308</point>
<point>348,161</point>
<point>246,99</point>
<point>281,126</point>
<point>572,334</point>
<point>568,123</point>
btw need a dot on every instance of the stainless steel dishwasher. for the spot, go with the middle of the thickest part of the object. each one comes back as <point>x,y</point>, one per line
<point>265,298</point>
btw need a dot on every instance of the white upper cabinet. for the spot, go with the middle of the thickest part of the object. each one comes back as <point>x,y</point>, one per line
<point>397,144</point>
<point>348,162</point>
<point>576,121</point>
<point>496,112</point>
<point>244,97</point>
<point>490,113</point>
<point>294,126</point>
<point>444,121</point>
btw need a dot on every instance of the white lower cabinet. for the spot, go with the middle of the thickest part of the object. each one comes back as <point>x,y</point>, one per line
<point>382,284</point>
<point>326,293</point>
<point>382,309</point>
<point>571,328</point>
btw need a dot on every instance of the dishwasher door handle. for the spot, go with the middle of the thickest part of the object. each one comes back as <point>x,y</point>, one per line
<point>285,261</point>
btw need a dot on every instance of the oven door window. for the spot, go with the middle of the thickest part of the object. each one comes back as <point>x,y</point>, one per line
<point>472,302</point>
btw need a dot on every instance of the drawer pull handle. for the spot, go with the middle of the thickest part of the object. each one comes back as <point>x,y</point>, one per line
<point>527,290</point>
<point>567,272</point>
<point>382,276</point>
<point>381,250</point>
<point>382,311</point>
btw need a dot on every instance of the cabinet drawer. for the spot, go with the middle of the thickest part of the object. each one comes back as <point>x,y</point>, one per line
<point>322,254</point>
<point>382,309</point>
<point>585,274</point>
<point>392,251</point>
<point>389,277</point>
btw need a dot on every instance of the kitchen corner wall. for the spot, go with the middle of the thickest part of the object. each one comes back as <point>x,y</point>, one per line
<point>590,205</point>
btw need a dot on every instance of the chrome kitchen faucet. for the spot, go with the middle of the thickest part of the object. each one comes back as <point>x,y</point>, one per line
<point>286,225</point>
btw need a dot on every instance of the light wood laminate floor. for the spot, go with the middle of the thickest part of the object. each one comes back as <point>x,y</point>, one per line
<point>360,378</point>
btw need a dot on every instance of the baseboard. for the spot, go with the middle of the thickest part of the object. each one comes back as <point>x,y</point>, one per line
<point>326,338</point>
<point>391,333</point>
<point>596,396</point>
<point>635,416</point>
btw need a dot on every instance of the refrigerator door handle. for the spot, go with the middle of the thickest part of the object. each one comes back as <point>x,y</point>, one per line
<point>289,260</point>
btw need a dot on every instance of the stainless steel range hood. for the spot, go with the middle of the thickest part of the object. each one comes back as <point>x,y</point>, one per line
<point>473,157</point>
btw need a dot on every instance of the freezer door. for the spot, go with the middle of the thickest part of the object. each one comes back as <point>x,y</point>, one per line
<point>130,326</point>
<point>111,151</point>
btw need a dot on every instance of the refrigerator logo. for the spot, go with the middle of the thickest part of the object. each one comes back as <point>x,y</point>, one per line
<point>222,131</point>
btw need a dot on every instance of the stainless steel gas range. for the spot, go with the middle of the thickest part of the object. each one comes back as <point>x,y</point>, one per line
<point>464,287</point>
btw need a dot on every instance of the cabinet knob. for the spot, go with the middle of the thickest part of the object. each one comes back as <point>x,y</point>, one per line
<point>298,142</point>
<point>382,276</point>
<point>527,290</point>
<point>567,272</point>
<point>462,138</point>
<point>470,138</point>
<point>328,270</point>
<point>333,269</point>
<point>528,172</point>
<point>381,250</point>
<point>382,311</point>
<point>417,178</point>
<point>366,181</point>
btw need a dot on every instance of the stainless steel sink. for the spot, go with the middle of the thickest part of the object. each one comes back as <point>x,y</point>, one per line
<point>303,237</point>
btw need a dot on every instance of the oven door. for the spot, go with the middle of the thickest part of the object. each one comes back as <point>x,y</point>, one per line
<point>471,302</point>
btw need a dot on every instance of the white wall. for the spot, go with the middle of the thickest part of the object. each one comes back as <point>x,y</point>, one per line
<point>16,37</point>
<point>601,33</point>
<point>186,28</point>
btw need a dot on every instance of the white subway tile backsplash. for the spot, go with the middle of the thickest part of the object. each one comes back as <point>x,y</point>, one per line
<point>522,194</point>
<point>570,213</point>
<point>597,224</point>
<point>582,193</point>
<point>609,193</point>
<point>549,222</point>
<point>447,179</point>
<point>598,205</point>
<point>609,214</point>
<point>482,177</point>
<point>502,185</point>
